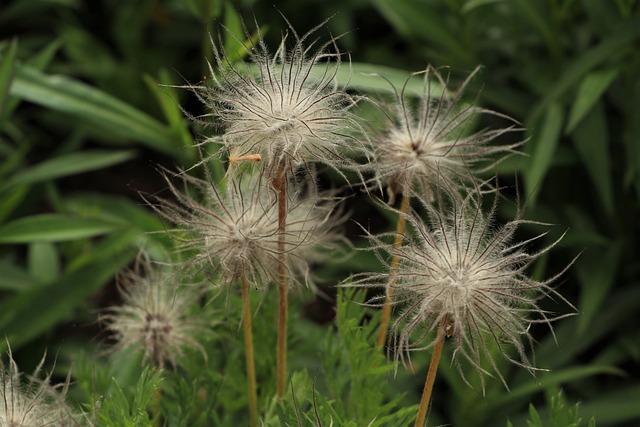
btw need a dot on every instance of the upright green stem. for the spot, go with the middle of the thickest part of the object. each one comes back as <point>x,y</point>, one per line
<point>280,186</point>
<point>431,376</point>
<point>248,345</point>
<point>386,309</point>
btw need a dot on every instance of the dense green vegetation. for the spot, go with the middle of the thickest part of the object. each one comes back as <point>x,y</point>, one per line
<point>90,109</point>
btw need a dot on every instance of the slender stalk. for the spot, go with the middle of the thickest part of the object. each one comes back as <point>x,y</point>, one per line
<point>280,186</point>
<point>157,400</point>
<point>386,309</point>
<point>431,376</point>
<point>248,345</point>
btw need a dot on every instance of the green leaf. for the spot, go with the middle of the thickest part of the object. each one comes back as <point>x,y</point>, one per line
<point>31,313</point>
<point>68,164</point>
<point>53,228</point>
<point>544,145</point>
<point>14,278</point>
<point>80,100</point>
<point>597,273</point>
<point>43,263</point>
<point>471,5</point>
<point>369,78</point>
<point>555,378</point>
<point>7,69</point>
<point>589,93</point>
<point>414,19</point>
<point>612,317</point>
<point>234,43</point>
<point>591,140</point>
<point>39,61</point>
<point>535,420</point>
<point>167,97</point>
<point>11,200</point>
<point>619,39</point>
<point>616,407</point>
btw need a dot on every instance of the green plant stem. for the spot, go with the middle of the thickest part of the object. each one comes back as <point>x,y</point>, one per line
<point>157,401</point>
<point>431,376</point>
<point>248,344</point>
<point>386,309</point>
<point>280,186</point>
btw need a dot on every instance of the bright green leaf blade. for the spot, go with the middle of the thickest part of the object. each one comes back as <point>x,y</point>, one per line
<point>7,69</point>
<point>104,111</point>
<point>40,60</point>
<point>589,93</point>
<point>369,78</point>
<point>234,43</point>
<point>544,146</point>
<point>53,228</point>
<point>591,140</point>
<point>69,164</point>
<point>534,420</point>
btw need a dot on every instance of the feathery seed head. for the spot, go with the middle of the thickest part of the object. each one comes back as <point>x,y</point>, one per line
<point>286,106</point>
<point>429,143</point>
<point>156,314</point>
<point>35,403</point>
<point>460,270</point>
<point>236,230</point>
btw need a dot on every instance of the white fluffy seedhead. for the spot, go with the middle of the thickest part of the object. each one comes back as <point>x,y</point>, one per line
<point>34,402</point>
<point>156,315</point>
<point>430,142</point>
<point>461,270</point>
<point>285,106</point>
<point>234,232</point>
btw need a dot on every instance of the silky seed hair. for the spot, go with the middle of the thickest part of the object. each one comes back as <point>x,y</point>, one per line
<point>157,315</point>
<point>33,402</point>
<point>460,269</point>
<point>234,233</point>
<point>428,141</point>
<point>286,106</point>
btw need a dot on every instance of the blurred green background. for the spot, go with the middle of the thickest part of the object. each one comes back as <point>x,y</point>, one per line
<point>87,112</point>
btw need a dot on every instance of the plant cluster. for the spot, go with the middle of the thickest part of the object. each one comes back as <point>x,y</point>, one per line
<point>283,206</point>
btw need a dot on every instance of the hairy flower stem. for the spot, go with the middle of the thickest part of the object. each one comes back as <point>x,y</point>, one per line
<point>280,186</point>
<point>386,309</point>
<point>431,376</point>
<point>248,345</point>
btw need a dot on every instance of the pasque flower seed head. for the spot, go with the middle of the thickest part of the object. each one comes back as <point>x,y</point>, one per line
<point>235,231</point>
<point>460,270</point>
<point>156,316</point>
<point>285,106</point>
<point>32,403</point>
<point>431,142</point>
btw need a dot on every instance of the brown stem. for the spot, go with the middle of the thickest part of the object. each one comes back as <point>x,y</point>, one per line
<point>280,186</point>
<point>431,376</point>
<point>386,309</point>
<point>248,344</point>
